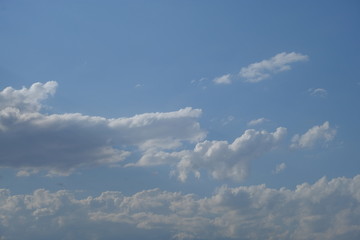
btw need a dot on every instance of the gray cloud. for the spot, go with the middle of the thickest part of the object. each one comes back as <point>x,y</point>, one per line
<point>327,209</point>
<point>60,143</point>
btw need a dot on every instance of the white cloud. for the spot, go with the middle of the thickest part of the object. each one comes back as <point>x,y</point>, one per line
<point>318,92</point>
<point>220,158</point>
<point>225,79</point>
<point>279,168</point>
<point>259,71</point>
<point>60,143</point>
<point>257,121</point>
<point>327,209</point>
<point>27,99</point>
<point>315,135</point>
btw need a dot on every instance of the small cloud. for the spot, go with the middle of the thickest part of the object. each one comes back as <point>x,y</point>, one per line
<point>227,120</point>
<point>225,79</point>
<point>199,82</point>
<point>279,168</point>
<point>317,92</point>
<point>257,121</point>
<point>257,72</point>
<point>26,172</point>
<point>315,135</point>
<point>139,85</point>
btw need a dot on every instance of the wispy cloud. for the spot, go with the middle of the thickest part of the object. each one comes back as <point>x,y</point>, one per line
<point>259,71</point>
<point>257,121</point>
<point>262,70</point>
<point>225,79</point>
<point>317,92</point>
<point>279,168</point>
<point>315,135</point>
<point>311,211</point>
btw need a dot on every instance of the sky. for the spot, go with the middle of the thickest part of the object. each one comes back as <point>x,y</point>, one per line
<point>179,120</point>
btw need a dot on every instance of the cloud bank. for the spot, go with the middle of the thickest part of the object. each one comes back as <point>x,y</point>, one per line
<point>325,210</point>
<point>60,143</point>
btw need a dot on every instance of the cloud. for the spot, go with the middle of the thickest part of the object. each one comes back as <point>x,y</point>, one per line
<point>225,79</point>
<point>221,159</point>
<point>60,143</point>
<point>279,168</point>
<point>314,136</point>
<point>259,71</point>
<point>257,121</point>
<point>327,209</point>
<point>318,92</point>
<point>27,99</point>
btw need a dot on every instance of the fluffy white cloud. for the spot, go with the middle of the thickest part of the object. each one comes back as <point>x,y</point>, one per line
<point>60,143</point>
<point>317,92</point>
<point>220,158</point>
<point>259,71</point>
<point>225,79</point>
<point>315,135</point>
<point>325,210</point>
<point>27,99</point>
<point>257,121</point>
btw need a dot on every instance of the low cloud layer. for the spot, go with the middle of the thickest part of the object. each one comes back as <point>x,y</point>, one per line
<point>60,143</point>
<point>325,210</point>
<point>317,135</point>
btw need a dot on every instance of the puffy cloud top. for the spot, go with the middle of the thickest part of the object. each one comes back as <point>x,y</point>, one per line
<point>315,135</point>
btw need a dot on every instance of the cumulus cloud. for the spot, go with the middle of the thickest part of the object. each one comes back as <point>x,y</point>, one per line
<point>257,121</point>
<point>27,99</point>
<point>60,143</point>
<point>225,79</point>
<point>317,92</point>
<point>314,136</point>
<point>259,71</point>
<point>220,158</point>
<point>327,209</point>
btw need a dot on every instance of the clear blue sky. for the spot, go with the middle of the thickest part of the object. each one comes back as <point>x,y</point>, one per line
<point>131,119</point>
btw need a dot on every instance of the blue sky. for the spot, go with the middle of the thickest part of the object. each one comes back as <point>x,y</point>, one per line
<point>179,119</point>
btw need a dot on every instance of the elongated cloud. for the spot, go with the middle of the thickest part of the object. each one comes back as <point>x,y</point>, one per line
<point>327,209</point>
<point>225,79</point>
<point>318,92</point>
<point>61,143</point>
<point>220,158</point>
<point>314,136</point>
<point>257,121</point>
<point>259,71</point>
